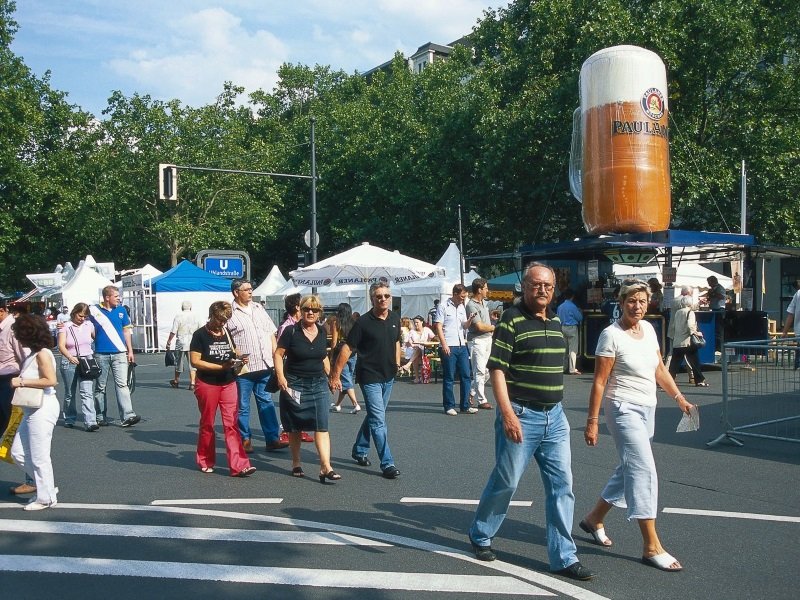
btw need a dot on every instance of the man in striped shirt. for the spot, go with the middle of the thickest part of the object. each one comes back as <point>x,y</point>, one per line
<point>253,332</point>
<point>527,371</point>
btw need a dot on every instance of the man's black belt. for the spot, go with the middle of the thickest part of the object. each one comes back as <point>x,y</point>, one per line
<point>534,405</point>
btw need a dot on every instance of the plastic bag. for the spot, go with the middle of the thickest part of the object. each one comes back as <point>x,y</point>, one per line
<point>11,431</point>
<point>690,421</point>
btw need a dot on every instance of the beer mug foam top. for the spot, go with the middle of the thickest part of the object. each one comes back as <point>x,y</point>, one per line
<point>625,179</point>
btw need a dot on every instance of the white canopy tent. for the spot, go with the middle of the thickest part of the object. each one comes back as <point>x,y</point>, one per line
<point>85,286</point>
<point>418,296</point>
<point>330,295</point>
<point>364,264</point>
<point>346,277</point>
<point>273,282</point>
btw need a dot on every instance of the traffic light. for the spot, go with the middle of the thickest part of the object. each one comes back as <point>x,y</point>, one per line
<point>168,182</point>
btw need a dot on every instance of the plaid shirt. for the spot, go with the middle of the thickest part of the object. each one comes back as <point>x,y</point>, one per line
<point>253,332</point>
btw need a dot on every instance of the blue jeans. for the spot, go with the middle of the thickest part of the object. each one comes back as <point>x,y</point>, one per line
<point>73,385</point>
<point>117,364</point>
<point>545,437</point>
<point>457,361</point>
<point>256,383</point>
<point>376,398</point>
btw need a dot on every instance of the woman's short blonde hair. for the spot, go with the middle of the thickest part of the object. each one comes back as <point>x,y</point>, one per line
<point>633,286</point>
<point>311,302</point>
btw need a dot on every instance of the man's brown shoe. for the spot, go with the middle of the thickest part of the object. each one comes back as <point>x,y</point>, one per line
<point>248,446</point>
<point>276,445</point>
<point>21,489</point>
<point>485,406</point>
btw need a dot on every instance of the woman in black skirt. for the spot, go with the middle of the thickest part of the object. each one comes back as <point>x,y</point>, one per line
<point>303,380</point>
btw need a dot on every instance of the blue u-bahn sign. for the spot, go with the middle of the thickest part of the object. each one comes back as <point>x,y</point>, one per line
<point>225,267</point>
<point>225,263</point>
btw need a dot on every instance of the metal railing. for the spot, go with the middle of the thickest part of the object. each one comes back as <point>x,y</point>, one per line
<point>760,390</point>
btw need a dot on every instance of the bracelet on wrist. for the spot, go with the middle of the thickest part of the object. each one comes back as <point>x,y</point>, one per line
<point>21,382</point>
<point>679,395</point>
<point>592,418</point>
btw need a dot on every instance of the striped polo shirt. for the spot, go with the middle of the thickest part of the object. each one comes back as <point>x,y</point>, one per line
<point>530,351</point>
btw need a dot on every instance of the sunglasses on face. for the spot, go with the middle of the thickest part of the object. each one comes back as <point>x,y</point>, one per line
<point>382,296</point>
<point>311,310</point>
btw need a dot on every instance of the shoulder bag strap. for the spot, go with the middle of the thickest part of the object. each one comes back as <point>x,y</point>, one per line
<point>25,363</point>
<point>230,341</point>
<point>75,337</point>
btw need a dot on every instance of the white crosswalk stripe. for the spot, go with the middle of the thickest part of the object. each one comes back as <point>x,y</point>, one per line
<point>187,533</point>
<point>326,578</point>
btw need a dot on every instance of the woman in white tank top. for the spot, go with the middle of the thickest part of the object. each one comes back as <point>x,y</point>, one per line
<point>31,447</point>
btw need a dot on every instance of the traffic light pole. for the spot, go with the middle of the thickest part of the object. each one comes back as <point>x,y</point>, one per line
<point>313,196</point>
<point>168,184</point>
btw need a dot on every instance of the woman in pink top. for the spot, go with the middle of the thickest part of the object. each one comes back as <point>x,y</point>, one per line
<point>74,340</point>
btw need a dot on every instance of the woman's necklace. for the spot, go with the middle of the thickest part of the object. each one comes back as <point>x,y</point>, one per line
<point>632,329</point>
<point>214,332</point>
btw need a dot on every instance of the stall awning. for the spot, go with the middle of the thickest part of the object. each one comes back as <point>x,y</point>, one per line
<point>705,246</point>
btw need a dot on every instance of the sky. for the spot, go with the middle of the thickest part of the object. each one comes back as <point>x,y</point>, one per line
<point>187,49</point>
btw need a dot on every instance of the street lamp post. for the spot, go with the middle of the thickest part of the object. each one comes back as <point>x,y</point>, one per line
<point>313,195</point>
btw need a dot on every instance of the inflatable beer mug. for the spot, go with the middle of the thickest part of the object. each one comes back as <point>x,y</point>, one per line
<point>619,164</point>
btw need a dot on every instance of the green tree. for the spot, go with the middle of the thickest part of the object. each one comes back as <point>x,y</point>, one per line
<point>213,209</point>
<point>43,143</point>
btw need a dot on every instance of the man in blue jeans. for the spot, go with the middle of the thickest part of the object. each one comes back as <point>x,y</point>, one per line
<point>253,332</point>
<point>375,336</point>
<point>451,325</point>
<point>526,365</point>
<point>113,350</point>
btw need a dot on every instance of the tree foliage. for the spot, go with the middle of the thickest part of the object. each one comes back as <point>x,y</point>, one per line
<point>398,153</point>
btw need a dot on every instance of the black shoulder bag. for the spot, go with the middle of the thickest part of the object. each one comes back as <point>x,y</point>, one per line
<point>87,365</point>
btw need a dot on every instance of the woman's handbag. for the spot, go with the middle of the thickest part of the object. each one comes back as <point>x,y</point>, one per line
<point>169,358</point>
<point>272,383</point>
<point>88,367</point>
<point>696,340</point>
<point>25,397</point>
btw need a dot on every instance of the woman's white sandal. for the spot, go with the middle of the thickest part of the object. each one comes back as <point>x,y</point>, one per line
<point>599,534</point>
<point>663,561</point>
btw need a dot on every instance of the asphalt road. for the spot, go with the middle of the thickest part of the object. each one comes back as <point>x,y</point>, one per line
<point>136,519</point>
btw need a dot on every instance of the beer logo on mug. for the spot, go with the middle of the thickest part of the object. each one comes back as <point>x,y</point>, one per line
<point>653,103</point>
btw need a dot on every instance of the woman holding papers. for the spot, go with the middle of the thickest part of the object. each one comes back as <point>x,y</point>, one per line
<point>214,355</point>
<point>303,380</point>
<point>628,370</point>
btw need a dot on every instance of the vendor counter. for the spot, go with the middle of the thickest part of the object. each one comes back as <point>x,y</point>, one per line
<point>594,323</point>
<point>732,326</point>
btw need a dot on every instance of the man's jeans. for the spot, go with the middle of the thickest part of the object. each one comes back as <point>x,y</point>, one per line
<point>479,351</point>
<point>457,361</point>
<point>116,363</point>
<point>256,383</point>
<point>376,399</point>
<point>545,437</point>
<point>74,385</point>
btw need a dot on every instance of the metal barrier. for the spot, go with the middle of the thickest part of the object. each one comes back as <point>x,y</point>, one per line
<point>760,390</point>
